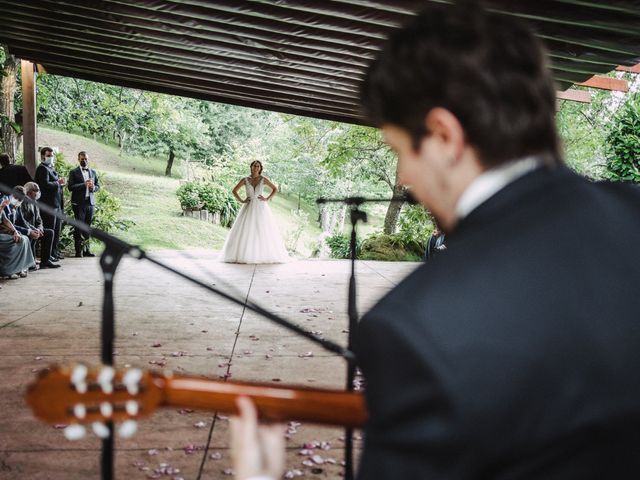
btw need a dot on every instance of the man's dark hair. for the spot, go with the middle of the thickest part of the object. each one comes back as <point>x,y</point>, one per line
<point>489,70</point>
<point>45,150</point>
<point>5,159</point>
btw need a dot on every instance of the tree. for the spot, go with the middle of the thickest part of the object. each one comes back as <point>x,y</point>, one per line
<point>9,129</point>
<point>623,143</point>
<point>371,159</point>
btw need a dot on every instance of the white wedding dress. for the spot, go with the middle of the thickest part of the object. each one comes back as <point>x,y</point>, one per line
<point>254,237</point>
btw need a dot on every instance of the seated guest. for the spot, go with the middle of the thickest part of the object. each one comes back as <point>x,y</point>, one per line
<point>12,175</point>
<point>15,252</point>
<point>29,215</point>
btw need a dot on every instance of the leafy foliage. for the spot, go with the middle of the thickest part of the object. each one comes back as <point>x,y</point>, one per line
<point>339,245</point>
<point>213,197</point>
<point>415,227</point>
<point>623,143</point>
<point>188,195</point>
<point>390,248</point>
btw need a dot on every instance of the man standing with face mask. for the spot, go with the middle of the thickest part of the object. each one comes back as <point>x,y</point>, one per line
<point>83,184</point>
<point>51,187</point>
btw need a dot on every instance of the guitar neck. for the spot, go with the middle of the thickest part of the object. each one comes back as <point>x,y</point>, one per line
<point>274,403</point>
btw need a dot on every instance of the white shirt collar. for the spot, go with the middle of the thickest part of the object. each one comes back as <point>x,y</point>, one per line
<point>491,182</point>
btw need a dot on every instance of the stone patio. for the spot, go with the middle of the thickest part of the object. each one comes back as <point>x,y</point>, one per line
<point>53,316</point>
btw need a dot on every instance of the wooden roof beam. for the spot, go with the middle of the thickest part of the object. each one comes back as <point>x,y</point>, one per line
<point>606,83</point>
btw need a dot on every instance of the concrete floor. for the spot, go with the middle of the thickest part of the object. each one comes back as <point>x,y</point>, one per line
<point>53,316</point>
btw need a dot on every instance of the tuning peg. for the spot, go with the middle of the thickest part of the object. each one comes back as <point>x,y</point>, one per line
<point>106,409</point>
<point>79,378</point>
<point>105,379</point>
<point>80,411</point>
<point>128,429</point>
<point>131,380</point>
<point>100,429</point>
<point>79,374</point>
<point>132,408</point>
<point>75,432</point>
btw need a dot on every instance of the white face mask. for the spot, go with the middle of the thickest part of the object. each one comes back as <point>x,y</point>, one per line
<point>48,160</point>
<point>38,195</point>
<point>15,202</point>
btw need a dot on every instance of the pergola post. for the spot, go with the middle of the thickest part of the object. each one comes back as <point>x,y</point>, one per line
<point>29,128</point>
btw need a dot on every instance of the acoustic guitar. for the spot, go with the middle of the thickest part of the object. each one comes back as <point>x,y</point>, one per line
<point>77,395</point>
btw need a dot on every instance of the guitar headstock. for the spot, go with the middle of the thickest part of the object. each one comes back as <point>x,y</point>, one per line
<point>78,395</point>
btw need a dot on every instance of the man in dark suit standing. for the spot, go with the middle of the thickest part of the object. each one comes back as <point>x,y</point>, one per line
<point>51,189</point>
<point>12,175</point>
<point>515,355</point>
<point>435,244</point>
<point>83,184</point>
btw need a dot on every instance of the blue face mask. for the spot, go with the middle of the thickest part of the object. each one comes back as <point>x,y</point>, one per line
<point>48,160</point>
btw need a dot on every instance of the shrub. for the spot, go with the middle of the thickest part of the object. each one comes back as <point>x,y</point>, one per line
<point>390,248</point>
<point>339,245</point>
<point>414,228</point>
<point>623,144</point>
<point>210,196</point>
<point>188,196</point>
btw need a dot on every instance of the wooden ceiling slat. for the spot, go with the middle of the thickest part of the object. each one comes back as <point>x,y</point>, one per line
<point>249,76</point>
<point>223,21</point>
<point>155,37</point>
<point>278,105</point>
<point>213,63</point>
<point>196,79</point>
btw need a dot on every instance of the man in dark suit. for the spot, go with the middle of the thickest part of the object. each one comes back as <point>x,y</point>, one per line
<point>30,217</point>
<point>435,244</point>
<point>12,175</point>
<point>515,355</point>
<point>83,184</point>
<point>51,188</point>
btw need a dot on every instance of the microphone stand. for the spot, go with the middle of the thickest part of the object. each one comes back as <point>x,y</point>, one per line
<point>115,249</point>
<point>355,215</point>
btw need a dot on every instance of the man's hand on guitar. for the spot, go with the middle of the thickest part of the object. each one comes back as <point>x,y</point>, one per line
<point>257,449</point>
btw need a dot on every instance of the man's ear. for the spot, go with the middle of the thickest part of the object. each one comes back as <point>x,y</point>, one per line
<point>446,128</point>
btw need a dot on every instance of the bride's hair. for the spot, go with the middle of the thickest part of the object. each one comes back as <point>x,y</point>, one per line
<point>259,163</point>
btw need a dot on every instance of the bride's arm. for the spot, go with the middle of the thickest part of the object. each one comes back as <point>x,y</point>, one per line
<point>235,192</point>
<point>273,188</point>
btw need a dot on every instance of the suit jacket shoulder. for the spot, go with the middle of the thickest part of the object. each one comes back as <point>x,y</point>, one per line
<point>485,353</point>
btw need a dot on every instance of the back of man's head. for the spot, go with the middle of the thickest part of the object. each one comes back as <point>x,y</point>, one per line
<point>5,159</point>
<point>488,69</point>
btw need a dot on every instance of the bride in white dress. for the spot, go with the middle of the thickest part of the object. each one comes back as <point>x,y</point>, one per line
<point>254,237</point>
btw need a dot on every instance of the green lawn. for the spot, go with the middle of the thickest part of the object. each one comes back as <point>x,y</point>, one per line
<point>151,203</point>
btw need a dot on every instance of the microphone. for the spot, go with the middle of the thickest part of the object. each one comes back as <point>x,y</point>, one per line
<point>407,197</point>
